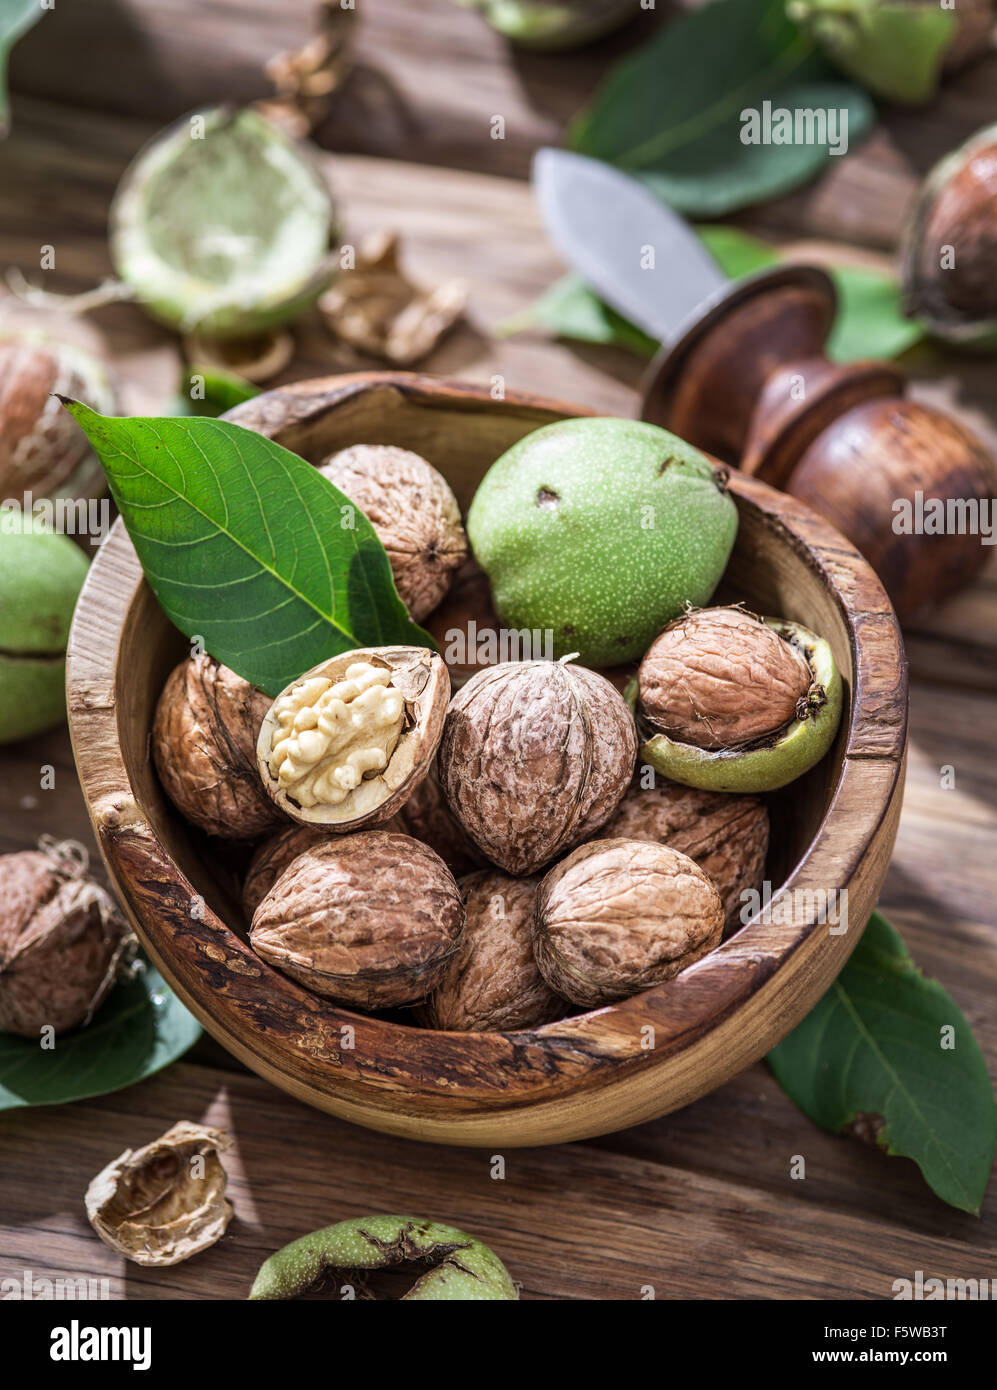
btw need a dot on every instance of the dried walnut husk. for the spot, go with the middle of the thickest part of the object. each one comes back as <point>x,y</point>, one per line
<point>619,916</point>
<point>349,741</point>
<point>162,1203</point>
<point>375,309</point>
<point>204,738</point>
<point>492,984</point>
<point>414,512</point>
<point>62,940</point>
<point>369,920</point>
<point>726,835</point>
<point>535,757</point>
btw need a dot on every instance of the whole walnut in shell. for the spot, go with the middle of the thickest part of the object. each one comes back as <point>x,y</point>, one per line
<point>204,737</point>
<point>369,920</point>
<point>726,835</point>
<point>618,916</point>
<point>492,984</point>
<point>61,940</point>
<point>719,677</point>
<point>275,855</point>
<point>414,512</point>
<point>535,757</point>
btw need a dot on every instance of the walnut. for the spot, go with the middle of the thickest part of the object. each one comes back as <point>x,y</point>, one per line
<point>369,920</point>
<point>618,916</point>
<point>413,511</point>
<point>726,835</point>
<point>62,940</point>
<point>492,984</point>
<point>535,757</point>
<point>719,678</point>
<point>275,855</point>
<point>427,817</point>
<point>162,1203</point>
<point>347,743</point>
<point>204,737</point>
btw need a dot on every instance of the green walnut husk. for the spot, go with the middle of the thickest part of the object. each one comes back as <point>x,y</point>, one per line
<point>457,1266</point>
<point>599,531</point>
<point>543,24</point>
<point>895,48</point>
<point>956,213</point>
<point>779,758</point>
<point>229,235</point>
<point>41,575</point>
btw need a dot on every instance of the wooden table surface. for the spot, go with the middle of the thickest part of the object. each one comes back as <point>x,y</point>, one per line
<point>697,1204</point>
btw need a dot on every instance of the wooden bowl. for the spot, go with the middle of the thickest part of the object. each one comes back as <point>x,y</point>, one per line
<point>832,830</point>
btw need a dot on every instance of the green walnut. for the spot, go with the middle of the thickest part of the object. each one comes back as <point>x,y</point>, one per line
<point>600,531</point>
<point>41,575</point>
<point>730,702</point>
<point>447,1264</point>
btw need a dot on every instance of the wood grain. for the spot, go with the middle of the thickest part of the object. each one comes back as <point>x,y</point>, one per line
<point>700,1205</point>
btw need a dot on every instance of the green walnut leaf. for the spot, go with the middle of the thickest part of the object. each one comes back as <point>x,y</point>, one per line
<point>570,309</point>
<point>671,113</point>
<point>869,322</point>
<point>139,1029</point>
<point>16,17</point>
<point>886,1041</point>
<point>210,391</point>
<point>247,546</point>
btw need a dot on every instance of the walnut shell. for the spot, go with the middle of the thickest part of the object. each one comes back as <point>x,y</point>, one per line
<point>347,744</point>
<point>492,984</point>
<point>369,920</point>
<point>162,1203</point>
<point>204,737</point>
<point>725,834</point>
<point>275,855</point>
<point>618,916</point>
<point>427,817</point>
<point>719,678</point>
<point>42,448</point>
<point>414,512</point>
<point>535,757</point>
<point>61,941</point>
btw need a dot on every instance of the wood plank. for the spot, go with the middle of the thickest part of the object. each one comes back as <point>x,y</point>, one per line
<point>576,1222</point>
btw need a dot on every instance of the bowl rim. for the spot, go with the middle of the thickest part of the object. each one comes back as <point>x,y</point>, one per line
<point>455,1072</point>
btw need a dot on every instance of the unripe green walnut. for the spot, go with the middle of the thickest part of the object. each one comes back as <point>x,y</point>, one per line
<point>41,575</point>
<point>601,531</point>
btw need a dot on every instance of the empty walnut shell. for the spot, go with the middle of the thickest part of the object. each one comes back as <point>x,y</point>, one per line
<point>414,512</point>
<point>535,757</point>
<point>731,702</point>
<point>492,984</point>
<point>162,1203</point>
<point>369,920</point>
<point>61,940</point>
<point>618,916</point>
<point>726,835</point>
<point>345,745</point>
<point>204,737</point>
